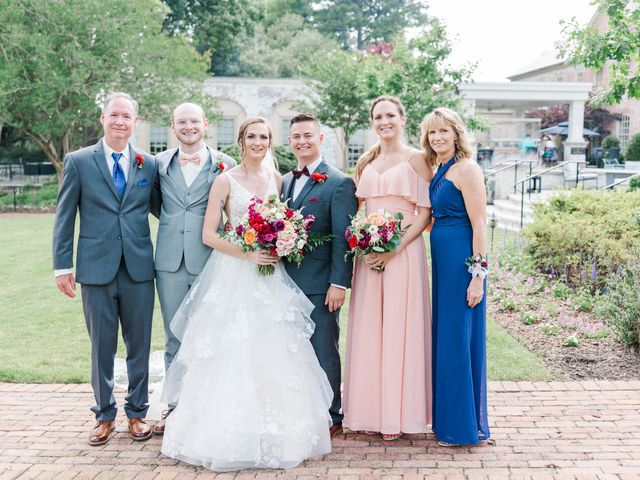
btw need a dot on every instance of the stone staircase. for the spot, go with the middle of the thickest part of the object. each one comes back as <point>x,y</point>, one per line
<point>507,211</point>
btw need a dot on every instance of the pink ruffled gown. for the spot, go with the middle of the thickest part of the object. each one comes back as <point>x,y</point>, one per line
<point>388,368</point>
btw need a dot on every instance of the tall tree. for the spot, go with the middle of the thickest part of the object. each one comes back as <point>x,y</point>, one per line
<point>59,58</point>
<point>276,9</point>
<point>358,23</point>
<point>419,75</point>
<point>282,49</point>
<point>340,85</point>
<point>619,46</point>
<point>215,27</point>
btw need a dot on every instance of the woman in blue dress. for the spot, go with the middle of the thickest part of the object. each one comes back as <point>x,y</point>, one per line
<point>458,251</point>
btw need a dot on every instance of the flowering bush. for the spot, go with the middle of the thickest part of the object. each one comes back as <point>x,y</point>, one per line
<point>272,226</point>
<point>377,232</point>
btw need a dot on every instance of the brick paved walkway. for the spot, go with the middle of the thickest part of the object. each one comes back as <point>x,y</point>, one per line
<point>577,430</point>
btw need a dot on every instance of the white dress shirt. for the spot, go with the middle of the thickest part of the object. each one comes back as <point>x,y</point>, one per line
<point>300,182</point>
<point>124,164</point>
<point>190,171</point>
<point>124,159</point>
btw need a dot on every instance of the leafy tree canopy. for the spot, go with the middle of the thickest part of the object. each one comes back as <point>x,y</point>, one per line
<point>619,46</point>
<point>358,23</point>
<point>59,57</point>
<point>215,27</point>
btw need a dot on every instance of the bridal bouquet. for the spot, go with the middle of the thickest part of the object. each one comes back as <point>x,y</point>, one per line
<point>377,232</point>
<point>272,226</point>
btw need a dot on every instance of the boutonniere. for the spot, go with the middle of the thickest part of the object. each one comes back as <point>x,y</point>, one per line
<point>318,177</point>
<point>221,166</point>
<point>139,161</point>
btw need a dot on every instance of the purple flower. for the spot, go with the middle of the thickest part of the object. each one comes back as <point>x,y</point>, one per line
<point>347,234</point>
<point>269,237</point>
<point>278,225</point>
<point>594,271</point>
<point>239,230</point>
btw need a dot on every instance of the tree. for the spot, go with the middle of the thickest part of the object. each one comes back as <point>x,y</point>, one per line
<point>340,86</point>
<point>358,23</point>
<point>594,117</point>
<point>419,75</point>
<point>215,27</point>
<point>276,9</point>
<point>282,49</point>
<point>619,46</point>
<point>58,59</point>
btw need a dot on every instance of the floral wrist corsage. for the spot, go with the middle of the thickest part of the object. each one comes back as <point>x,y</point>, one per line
<point>478,266</point>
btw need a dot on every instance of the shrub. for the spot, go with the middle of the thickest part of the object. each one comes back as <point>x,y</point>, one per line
<point>571,341</point>
<point>634,184</point>
<point>610,141</point>
<point>550,330</point>
<point>31,196</point>
<point>620,305</point>
<point>585,236</point>
<point>284,156</point>
<point>632,152</point>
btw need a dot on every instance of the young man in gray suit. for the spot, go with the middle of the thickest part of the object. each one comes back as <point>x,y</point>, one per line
<point>185,177</point>
<point>110,184</point>
<point>324,275</point>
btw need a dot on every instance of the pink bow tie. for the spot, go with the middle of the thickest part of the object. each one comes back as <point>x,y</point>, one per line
<point>185,159</point>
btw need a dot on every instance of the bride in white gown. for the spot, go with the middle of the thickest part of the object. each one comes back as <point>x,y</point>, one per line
<point>249,390</point>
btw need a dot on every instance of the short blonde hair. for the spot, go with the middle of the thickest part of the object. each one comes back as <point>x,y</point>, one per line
<point>448,117</point>
<point>114,95</point>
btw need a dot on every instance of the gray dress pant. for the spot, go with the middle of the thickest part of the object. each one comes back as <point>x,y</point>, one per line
<point>130,304</point>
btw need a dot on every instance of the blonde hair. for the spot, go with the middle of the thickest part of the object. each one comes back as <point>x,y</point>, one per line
<point>370,155</point>
<point>448,117</point>
<point>113,95</point>
<point>242,132</point>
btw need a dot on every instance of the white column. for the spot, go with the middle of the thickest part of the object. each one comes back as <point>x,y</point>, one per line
<point>575,145</point>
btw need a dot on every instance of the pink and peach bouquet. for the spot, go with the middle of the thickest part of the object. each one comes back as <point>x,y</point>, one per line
<point>272,226</point>
<point>378,232</point>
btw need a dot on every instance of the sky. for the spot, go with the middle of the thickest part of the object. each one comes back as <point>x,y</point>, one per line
<point>504,36</point>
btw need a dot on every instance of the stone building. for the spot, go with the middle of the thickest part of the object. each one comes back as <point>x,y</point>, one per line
<point>238,98</point>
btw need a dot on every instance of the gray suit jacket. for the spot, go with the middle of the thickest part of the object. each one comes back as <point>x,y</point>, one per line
<point>110,227</point>
<point>181,211</point>
<point>332,203</point>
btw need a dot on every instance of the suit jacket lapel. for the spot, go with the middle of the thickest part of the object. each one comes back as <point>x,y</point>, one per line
<point>101,161</point>
<point>200,186</point>
<point>133,168</point>
<point>322,168</point>
<point>287,184</point>
<point>164,170</point>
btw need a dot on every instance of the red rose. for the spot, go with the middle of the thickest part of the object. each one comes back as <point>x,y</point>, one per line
<point>353,242</point>
<point>221,166</point>
<point>318,177</point>
<point>139,161</point>
<point>288,213</point>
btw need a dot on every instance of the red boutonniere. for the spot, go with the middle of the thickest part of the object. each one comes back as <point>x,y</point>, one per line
<point>222,166</point>
<point>139,161</point>
<point>318,177</point>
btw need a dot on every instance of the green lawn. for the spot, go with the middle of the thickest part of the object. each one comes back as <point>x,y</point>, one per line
<point>43,337</point>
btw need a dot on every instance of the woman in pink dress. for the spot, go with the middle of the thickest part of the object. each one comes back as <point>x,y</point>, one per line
<point>388,367</point>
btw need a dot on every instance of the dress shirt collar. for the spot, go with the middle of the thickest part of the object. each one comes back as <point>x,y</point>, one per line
<point>312,166</point>
<point>108,151</point>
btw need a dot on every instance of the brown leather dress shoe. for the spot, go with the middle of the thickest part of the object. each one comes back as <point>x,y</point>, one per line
<point>101,433</point>
<point>158,428</point>
<point>139,429</point>
<point>335,429</point>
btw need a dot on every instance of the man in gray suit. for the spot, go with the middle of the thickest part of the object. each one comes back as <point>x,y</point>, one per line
<point>324,274</point>
<point>110,184</point>
<point>185,177</point>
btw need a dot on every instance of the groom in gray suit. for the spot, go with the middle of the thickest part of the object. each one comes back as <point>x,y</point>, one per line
<point>185,177</point>
<point>324,274</point>
<point>110,184</point>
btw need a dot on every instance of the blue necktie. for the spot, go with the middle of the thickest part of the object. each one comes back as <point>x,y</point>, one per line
<point>118,174</point>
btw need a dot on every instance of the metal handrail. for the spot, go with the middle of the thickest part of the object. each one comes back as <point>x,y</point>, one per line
<point>507,167</point>
<point>544,172</point>
<point>538,175</point>
<point>618,182</point>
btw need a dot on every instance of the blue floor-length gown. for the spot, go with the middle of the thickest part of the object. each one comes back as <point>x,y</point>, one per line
<point>459,332</point>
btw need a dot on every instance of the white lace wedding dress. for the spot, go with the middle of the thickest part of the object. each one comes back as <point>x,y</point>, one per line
<point>250,392</point>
